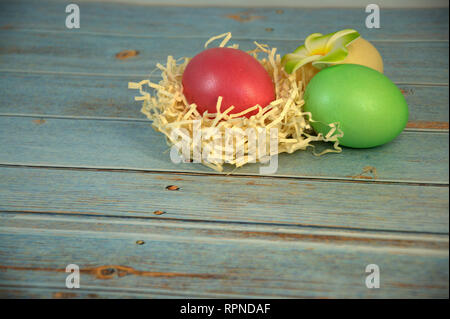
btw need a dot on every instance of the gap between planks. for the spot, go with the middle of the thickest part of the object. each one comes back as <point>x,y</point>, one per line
<point>157,77</point>
<point>231,174</point>
<point>265,228</point>
<point>131,119</point>
<point>231,223</point>
<point>156,36</point>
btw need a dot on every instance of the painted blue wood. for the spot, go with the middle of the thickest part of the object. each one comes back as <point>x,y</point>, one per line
<point>301,236</point>
<point>43,291</point>
<point>252,23</point>
<point>99,97</point>
<point>412,157</point>
<point>233,199</point>
<point>198,260</point>
<point>87,53</point>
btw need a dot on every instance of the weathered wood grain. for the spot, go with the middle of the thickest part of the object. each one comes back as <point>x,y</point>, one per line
<point>412,157</point>
<point>427,125</point>
<point>272,201</point>
<point>250,23</point>
<point>71,52</point>
<point>69,95</point>
<point>308,232</point>
<point>203,260</point>
<point>100,97</point>
<point>41,290</point>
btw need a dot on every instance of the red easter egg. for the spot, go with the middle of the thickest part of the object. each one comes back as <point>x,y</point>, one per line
<point>231,73</point>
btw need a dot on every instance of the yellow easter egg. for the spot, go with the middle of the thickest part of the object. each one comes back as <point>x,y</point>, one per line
<point>364,53</point>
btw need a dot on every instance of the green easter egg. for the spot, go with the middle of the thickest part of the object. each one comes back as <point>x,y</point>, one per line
<point>370,109</point>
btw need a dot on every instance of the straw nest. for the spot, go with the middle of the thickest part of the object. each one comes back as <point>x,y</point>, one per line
<point>217,138</point>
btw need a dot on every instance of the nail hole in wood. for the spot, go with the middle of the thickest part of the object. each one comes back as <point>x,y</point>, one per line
<point>172,188</point>
<point>407,91</point>
<point>126,54</point>
<point>269,29</point>
<point>140,242</point>
<point>158,212</point>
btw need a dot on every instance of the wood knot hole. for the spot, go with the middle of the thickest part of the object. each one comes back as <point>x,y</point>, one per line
<point>107,271</point>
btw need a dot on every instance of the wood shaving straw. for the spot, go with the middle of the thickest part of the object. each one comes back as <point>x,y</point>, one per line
<point>168,109</point>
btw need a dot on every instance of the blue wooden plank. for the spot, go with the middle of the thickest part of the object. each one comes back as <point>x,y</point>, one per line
<point>184,259</point>
<point>233,199</point>
<point>69,95</point>
<point>254,23</point>
<point>59,95</point>
<point>29,290</point>
<point>276,237</point>
<point>405,62</point>
<point>412,157</point>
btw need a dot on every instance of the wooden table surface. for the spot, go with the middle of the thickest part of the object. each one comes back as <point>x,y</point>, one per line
<point>82,172</point>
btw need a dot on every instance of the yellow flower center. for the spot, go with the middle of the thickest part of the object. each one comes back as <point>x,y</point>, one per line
<point>319,51</point>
